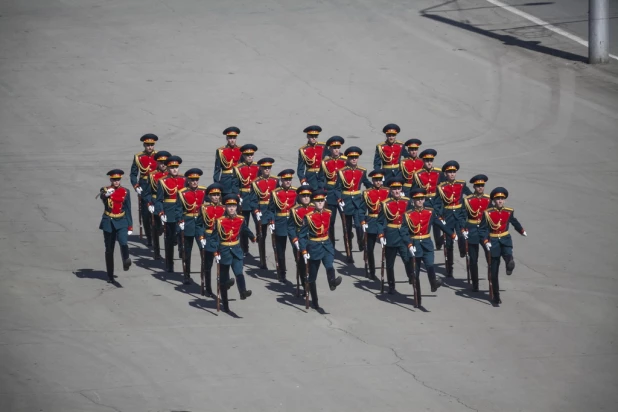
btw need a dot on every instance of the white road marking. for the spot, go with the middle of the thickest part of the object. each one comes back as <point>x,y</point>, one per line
<point>543,23</point>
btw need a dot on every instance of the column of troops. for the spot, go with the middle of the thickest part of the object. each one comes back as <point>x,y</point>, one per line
<point>396,205</point>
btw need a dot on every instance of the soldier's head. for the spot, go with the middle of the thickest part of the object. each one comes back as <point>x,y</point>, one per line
<point>498,196</point>
<point>248,151</point>
<point>312,134</point>
<point>149,140</point>
<point>413,146</point>
<point>428,155</point>
<point>161,158</point>
<point>479,184</point>
<point>173,162</point>
<point>304,195</point>
<point>395,184</point>
<point>285,177</point>
<point>391,130</point>
<point>418,197</point>
<point>231,133</point>
<point>214,192</point>
<point>334,145</point>
<point>193,177</point>
<point>353,153</point>
<point>377,178</point>
<point>266,165</point>
<point>114,177</point>
<point>450,169</point>
<point>231,204</point>
<point>319,199</point>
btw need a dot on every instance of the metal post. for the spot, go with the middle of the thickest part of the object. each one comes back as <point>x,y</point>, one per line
<point>598,32</point>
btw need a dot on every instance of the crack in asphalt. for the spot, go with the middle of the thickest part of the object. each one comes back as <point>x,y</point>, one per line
<point>99,401</point>
<point>48,220</point>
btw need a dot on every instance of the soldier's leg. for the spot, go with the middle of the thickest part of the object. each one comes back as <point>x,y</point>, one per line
<point>262,246</point>
<point>461,244</point>
<point>170,234</point>
<point>428,260</point>
<point>110,240</point>
<point>495,269</point>
<point>209,258</point>
<point>438,237</point>
<point>390,254</point>
<point>333,220</point>
<point>187,265</point>
<point>402,251</point>
<point>371,259</point>
<point>473,257</point>
<point>147,222</point>
<point>156,233</point>
<point>123,239</point>
<point>281,245</point>
<point>450,244</point>
<point>348,223</point>
<point>507,255</point>
<point>301,268</point>
<point>333,280</point>
<point>237,266</point>
<point>360,238</point>
<point>314,266</point>
<point>417,275</point>
<point>224,281</point>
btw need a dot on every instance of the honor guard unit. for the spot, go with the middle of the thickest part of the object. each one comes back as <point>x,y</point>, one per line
<point>428,178</point>
<point>475,206</point>
<point>211,210</point>
<point>389,152</point>
<point>310,158</point>
<point>316,246</point>
<point>373,198</point>
<point>226,158</point>
<point>189,202</point>
<point>116,222</point>
<point>350,200</point>
<point>149,195</point>
<point>327,178</point>
<point>282,200</point>
<point>262,188</point>
<point>143,163</point>
<point>245,174</point>
<point>408,166</point>
<point>295,222</point>
<point>494,230</point>
<point>167,208</point>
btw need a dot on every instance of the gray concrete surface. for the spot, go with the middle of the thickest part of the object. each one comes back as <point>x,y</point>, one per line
<point>81,80</point>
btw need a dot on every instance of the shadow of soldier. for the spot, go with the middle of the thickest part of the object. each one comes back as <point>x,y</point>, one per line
<point>95,274</point>
<point>287,295</point>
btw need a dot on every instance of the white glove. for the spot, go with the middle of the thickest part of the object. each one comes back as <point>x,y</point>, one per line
<point>341,205</point>
<point>109,192</point>
<point>151,209</point>
<point>488,246</point>
<point>306,257</point>
<point>365,226</point>
<point>139,190</point>
<point>271,227</point>
<point>203,242</point>
<point>455,238</point>
<point>304,184</point>
<point>163,219</point>
<point>383,241</point>
<point>465,235</point>
<point>296,244</point>
<point>240,201</point>
<point>524,234</point>
<point>412,250</point>
<point>258,216</point>
<point>181,225</point>
<point>443,221</point>
<point>218,258</point>
<point>129,232</point>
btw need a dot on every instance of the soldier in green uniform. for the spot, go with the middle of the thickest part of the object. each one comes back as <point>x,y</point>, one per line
<point>310,157</point>
<point>295,222</point>
<point>116,222</point>
<point>226,158</point>
<point>143,163</point>
<point>475,206</point>
<point>149,195</point>
<point>188,204</point>
<point>327,178</point>
<point>262,188</point>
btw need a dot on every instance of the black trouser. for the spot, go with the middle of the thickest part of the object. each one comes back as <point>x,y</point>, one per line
<point>281,245</point>
<point>333,219</point>
<point>188,244</point>
<point>301,267</point>
<point>495,268</point>
<point>110,239</point>
<point>146,220</point>
<point>371,244</point>
<point>438,237</point>
<point>170,236</point>
<point>244,239</point>
<point>390,254</point>
<point>359,232</point>
<point>224,281</point>
<point>157,229</point>
<point>473,256</point>
<point>209,258</point>
<point>262,244</point>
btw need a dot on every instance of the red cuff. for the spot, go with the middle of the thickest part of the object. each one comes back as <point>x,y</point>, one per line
<point>130,229</point>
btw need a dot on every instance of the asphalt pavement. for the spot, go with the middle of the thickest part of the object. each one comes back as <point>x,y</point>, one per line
<point>81,81</point>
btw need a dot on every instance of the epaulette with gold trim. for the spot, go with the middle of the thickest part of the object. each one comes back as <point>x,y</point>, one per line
<point>183,189</point>
<point>508,209</point>
<point>202,187</point>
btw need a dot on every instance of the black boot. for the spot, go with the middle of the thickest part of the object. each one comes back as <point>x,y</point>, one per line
<point>224,303</point>
<point>390,277</point>
<point>169,256</point>
<point>230,283</point>
<point>109,264</point>
<point>148,240</point>
<point>418,293</point>
<point>474,273</point>
<point>208,287</point>
<point>187,279</point>
<point>314,296</point>
<point>242,287</point>
<point>360,239</point>
<point>449,262</point>
<point>433,280</point>
<point>126,260</point>
<point>333,281</point>
<point>510,264</point>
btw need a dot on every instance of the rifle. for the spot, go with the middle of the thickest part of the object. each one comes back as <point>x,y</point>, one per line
<point>139,206</point>
<point>365,255</point>
<point>155,233</point>
<point>202,272</point>
<point>467,262</point>
<point>219,287</point>
<point>184,252</point>
<point>491,287</point>
<point>444,250</point>
<point>260,239</point>
<point>414,280</point>
<point>272,237</point>
<point>382,271</point>
<point>307,284</point>
<point>298,257</point>
<point>346,241</point>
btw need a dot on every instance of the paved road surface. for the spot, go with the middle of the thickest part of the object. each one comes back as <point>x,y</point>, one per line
<point>80,81</point>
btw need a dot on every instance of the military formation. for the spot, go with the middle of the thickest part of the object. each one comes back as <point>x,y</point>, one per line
<point>395,206</point>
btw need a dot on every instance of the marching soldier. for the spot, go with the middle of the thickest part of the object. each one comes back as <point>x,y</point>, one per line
<point>295,222</point>
<point>494,230</point>
<point>451,193</point>
<point>149,195</point>
<point>418,222</point>
<point>408,166</point>
<point>373,198</point>
<point>281,201</point>
<point>310,158</point>
<point>262,187</point>
<point>348,194</point>
<point>327,178</point>
<point>428,178</point>
<point>211,210</point>
<point>245,174</point>
<point>392,237</point>
<point>389,151</point>
<point>188,203</point>
<point>116,222</point>
<point>166,207</point>
<point>316,246</point>
<point>143,163</point>
<point>227,231</point>
<point>475,204</point>
<point>226,158</point>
